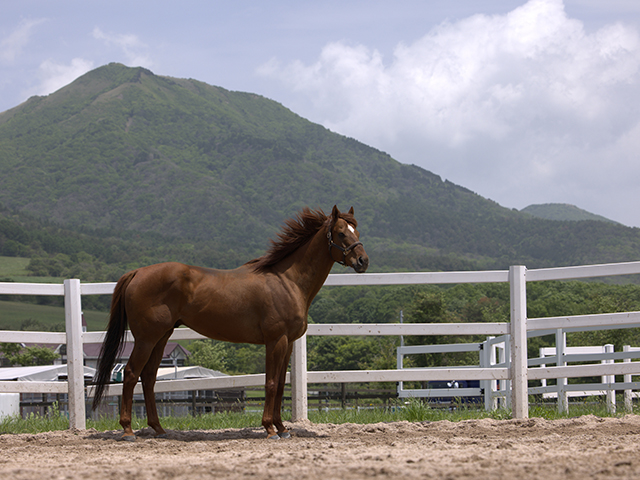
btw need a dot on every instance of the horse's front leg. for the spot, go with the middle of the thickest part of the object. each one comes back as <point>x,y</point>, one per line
<point>276,351</point>
<point>277,408</point>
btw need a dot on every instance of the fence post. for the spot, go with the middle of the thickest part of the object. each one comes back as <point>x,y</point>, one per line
<point>487,360</point>
<point>75,354</point>
<point>299,380</point>
<point>519,382</point>
<point>561,383</point>
<point>610,380</point>
<point>628,397</point>
<point>504,357</point>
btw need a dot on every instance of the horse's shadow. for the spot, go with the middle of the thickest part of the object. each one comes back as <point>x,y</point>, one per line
<point>249,433</point>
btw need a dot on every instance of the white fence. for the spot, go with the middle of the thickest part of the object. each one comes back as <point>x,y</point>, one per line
<point>517,372</point>
<point>494,352</point>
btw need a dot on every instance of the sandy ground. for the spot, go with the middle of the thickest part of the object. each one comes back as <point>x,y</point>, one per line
<point>581,448</point>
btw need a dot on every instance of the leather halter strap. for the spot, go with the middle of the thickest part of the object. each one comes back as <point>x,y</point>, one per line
<point>345,250</point>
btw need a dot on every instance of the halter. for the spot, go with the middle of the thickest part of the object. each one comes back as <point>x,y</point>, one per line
<point>345,251</point>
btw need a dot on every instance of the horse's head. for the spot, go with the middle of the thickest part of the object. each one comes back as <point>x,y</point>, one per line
<point>344,241</point>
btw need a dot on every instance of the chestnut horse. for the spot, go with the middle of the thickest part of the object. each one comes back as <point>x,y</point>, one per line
<point>265,301</point>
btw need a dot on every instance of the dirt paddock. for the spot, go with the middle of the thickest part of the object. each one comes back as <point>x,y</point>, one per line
<point>580,448</point>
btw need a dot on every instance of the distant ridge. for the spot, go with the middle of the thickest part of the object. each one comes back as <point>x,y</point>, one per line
<point>562,212</point>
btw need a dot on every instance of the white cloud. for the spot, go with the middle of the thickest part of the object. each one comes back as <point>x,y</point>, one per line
<point>514,106</point>
<point>133,49</point>
<point>12,45</point>
<point>55,75</point>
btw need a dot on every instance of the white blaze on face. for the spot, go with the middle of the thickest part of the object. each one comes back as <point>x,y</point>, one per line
<point>351,229</point>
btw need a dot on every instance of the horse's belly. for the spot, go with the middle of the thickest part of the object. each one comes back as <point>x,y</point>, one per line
<point>227,330</point>
<point>223,318</point>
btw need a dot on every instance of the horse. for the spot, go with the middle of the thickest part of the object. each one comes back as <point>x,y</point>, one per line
<point>265,301</point>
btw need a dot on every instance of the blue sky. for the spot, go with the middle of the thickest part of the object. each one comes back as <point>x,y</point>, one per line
<point>521,102</point>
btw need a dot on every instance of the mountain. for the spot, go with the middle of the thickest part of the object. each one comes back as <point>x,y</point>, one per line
<point>562,212</point>
<point>181,170</point>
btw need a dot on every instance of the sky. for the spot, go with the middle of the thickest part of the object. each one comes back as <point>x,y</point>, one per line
<point>521,102</point>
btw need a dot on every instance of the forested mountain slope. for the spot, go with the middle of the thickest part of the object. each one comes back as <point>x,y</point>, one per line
<point>179,169</point>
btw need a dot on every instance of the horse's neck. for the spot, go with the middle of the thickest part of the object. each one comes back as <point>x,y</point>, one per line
<point>310,265</point>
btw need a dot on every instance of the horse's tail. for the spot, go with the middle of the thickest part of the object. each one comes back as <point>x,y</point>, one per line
<point>114,339</point>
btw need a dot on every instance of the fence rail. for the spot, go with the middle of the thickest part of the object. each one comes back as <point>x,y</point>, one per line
<point>517,373</point>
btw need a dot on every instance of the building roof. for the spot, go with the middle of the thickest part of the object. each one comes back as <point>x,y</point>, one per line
<point>41,373</point>
<point>92,350</point>
<point>171,373</point>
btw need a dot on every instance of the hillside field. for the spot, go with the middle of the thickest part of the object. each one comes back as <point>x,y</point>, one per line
<point>11,267</point>
<point>13,314</point>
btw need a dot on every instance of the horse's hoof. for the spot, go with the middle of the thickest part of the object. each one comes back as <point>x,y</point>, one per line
<point>273,437</point>
<point>284,435</point>
<point>128,438</point>
<point>161,435</point>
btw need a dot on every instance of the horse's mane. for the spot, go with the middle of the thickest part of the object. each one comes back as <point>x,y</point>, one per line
<point>295,233</point>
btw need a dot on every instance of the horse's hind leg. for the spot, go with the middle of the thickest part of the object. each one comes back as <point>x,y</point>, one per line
<point>148,378</point>
<point>137,361</point>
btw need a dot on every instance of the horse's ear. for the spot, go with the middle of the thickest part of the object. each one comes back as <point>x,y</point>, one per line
<point>335,213</point>
<point>351,211</point>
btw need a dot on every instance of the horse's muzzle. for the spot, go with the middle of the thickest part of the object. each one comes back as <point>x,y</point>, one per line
<point>360,263</point>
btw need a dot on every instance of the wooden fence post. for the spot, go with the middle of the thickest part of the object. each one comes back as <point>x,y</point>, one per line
<point>561,348</point>
<point>504,357</point>
<point>487,360</point>
<point>75,354</point>
<point>299,380</point>
<point>628,395</point>
<point>610,380</point>
<point>519,381</point>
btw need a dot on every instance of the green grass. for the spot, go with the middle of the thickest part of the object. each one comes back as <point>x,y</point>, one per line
<point>12,314</point>
<point>592,406</point>
<point>14,269</point>
<point>413,411</point>
<point>13,266</point>
<point>53,420</point>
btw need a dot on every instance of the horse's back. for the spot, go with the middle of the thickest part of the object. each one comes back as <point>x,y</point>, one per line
<point>154,282</point>
<point>221,304</point>
<point>171,283</point>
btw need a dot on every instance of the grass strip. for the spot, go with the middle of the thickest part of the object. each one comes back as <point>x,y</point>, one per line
<point>413,411</point>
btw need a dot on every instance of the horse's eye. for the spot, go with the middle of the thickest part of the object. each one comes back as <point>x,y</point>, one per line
<point>341,235</point>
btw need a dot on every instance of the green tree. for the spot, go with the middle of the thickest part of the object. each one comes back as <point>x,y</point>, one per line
<point>209,354</point>
<point>245,358</point>
<point>352,353</point>
<point>10,351</point>
<point>27,356</point>
<point>434,306</point>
